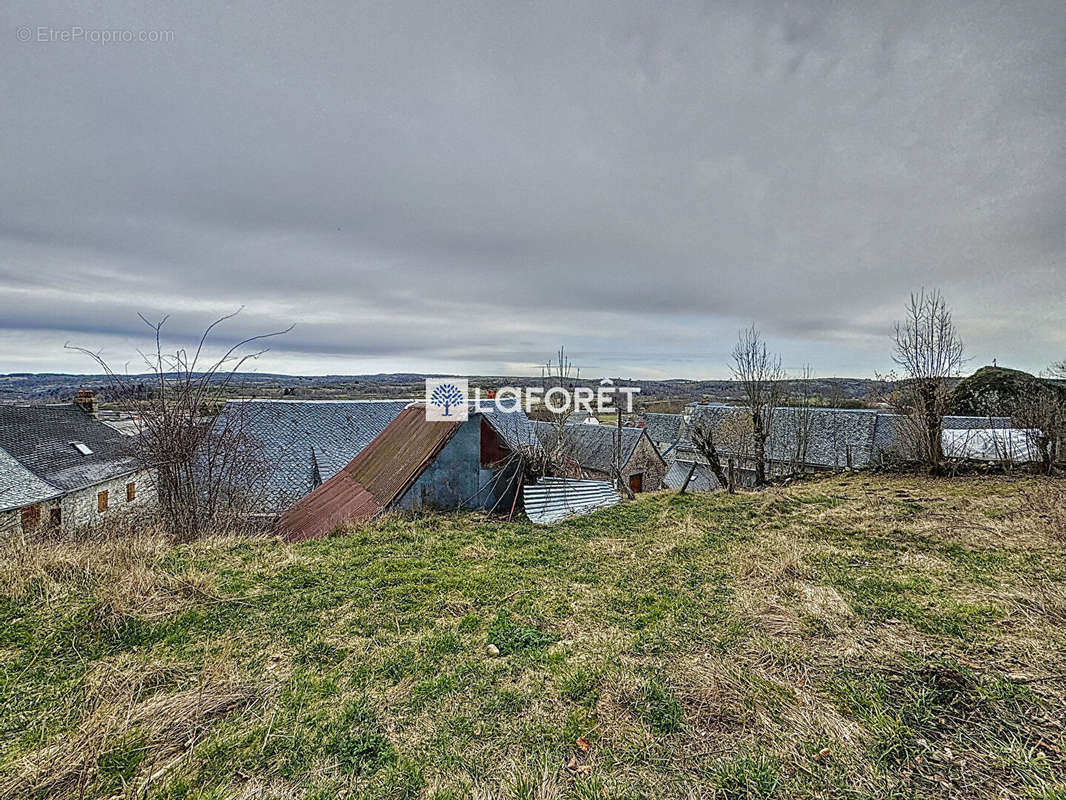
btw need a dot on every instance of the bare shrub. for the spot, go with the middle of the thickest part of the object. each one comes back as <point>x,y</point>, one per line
<point>207,473</point>
<point>1041,412</point>
<point>703,439</point>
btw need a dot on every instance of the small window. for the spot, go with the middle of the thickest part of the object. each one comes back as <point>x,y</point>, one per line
<point>55,517</point>
<point>31,518</point>
<point>82,448</point>
<point>101,501</point>
<point>131,492</point>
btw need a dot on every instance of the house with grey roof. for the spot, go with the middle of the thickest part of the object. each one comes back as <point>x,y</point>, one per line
<point>800,438</point>
<point>804,439</point>
<point>418,464</point>
<point>592,447</point>
<point>62,467</point>
<point>301,444</point>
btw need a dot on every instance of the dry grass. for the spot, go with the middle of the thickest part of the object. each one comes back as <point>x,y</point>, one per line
<point>147,716</point>
<point>851,636</point>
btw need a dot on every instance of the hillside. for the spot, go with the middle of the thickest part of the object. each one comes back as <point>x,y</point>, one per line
<point>994,391</point>
<point>51,388</point>
<point>852,636</point>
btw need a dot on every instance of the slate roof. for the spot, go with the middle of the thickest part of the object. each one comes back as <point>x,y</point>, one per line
<point>377,476</point>
<point>593,445</point>
<point>703,479</point>
<point>835,436</point>
<point>304,442</point>
<point>20,487</point>
<point>663,427</point>
<point>38,440</point>
<point>976,423</point>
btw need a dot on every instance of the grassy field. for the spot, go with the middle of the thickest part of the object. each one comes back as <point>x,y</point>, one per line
<point>852,636</point>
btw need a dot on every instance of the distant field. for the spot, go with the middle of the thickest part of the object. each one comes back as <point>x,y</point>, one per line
<point>655,395</point>
<point>858,636</point>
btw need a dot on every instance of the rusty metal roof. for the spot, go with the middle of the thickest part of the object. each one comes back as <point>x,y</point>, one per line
<point>376,477</point>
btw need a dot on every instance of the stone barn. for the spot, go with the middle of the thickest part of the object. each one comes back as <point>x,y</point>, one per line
<point>593,448</point>
<point>415,464</point>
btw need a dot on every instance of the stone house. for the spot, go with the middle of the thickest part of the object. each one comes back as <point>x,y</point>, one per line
<point>593,448</point>
<point>60,467</point>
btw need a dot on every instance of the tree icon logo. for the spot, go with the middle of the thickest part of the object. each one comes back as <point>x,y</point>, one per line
<point>446,396</point>
<point>446,400</point>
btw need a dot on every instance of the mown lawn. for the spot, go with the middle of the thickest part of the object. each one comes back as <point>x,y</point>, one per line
<point>851,636</point>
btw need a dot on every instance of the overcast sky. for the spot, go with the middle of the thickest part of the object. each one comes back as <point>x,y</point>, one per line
<point>463,187</point>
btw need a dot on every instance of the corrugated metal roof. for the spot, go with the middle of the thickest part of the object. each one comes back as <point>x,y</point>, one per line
<point>376,477</point>
<point>555,499</point>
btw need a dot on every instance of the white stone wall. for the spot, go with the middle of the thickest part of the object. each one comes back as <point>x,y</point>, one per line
<point>80,508</point>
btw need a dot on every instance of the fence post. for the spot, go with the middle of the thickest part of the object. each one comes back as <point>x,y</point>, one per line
<point>732,476</point>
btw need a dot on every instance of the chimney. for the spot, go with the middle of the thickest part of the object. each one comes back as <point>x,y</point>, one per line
<point>86,401</point>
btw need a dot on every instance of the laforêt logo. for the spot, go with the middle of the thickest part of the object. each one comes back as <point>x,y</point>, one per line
<point>449,399</point>
<point>446,399</point>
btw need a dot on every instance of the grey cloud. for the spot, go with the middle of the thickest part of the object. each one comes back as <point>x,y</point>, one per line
<point>426,183</point>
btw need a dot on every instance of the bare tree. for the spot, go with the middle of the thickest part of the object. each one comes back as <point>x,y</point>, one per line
<point>206,470</point>
<point>703,439</point>
<point>1041,412</point>
<point>801,418</point>
<point>930,352</point>
<point>760,375</point>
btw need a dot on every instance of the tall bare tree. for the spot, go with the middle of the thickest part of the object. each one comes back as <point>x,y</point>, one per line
<point>553,454</point>
<point>704,440</point>
<point>760,376</point>
<point>930,352</point>
<point>205,468</point>
<point>801,417</point>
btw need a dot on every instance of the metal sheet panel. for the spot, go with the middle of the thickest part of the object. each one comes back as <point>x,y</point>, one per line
<point>555,499</point>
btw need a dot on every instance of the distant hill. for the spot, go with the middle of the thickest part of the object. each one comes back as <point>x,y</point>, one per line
<point>994,391</point>
<point>664,395</point>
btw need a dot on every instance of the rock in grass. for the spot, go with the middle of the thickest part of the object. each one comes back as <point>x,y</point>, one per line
<point>492,650</point>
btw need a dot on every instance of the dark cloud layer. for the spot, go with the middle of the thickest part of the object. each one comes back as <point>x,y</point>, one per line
<point>445,186</point>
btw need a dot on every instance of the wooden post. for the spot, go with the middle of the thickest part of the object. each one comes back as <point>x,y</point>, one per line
<point>732,476</point>
<point>688,478</point>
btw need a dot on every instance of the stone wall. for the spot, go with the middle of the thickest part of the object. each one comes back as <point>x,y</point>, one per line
<point>646,459</point>
<point>80,508</point>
